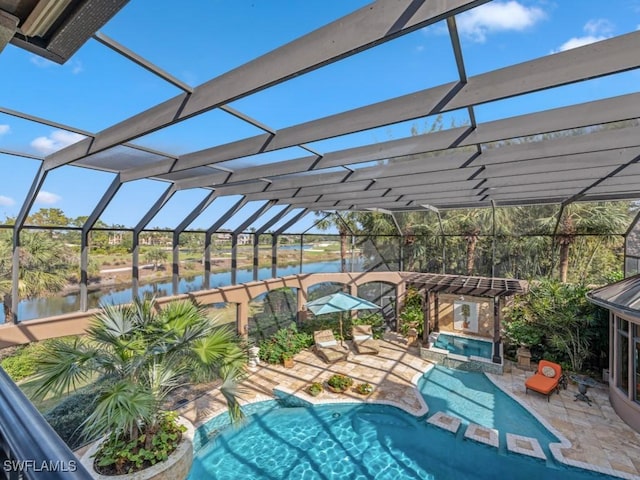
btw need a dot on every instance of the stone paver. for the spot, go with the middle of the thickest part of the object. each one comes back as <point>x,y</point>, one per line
<point>593,437</point>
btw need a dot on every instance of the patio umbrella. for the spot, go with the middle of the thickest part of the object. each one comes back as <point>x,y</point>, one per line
<point>339,302</point>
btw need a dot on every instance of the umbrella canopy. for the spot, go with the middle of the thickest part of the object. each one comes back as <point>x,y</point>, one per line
<point>339,302</point>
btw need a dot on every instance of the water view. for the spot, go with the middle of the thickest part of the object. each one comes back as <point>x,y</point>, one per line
<point>56,305</point>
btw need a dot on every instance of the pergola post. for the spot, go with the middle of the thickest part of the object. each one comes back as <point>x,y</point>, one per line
<point>256,255</point>
<point>274,255</point>
<point>497,320</point>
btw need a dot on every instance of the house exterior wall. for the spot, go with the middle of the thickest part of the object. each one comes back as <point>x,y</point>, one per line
<point>451,318</point>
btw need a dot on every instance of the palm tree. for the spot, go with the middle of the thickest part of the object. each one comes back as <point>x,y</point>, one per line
<point>602,219</point>
<point>138,354</point>
<point>45,264</point>
<point>346,224</point>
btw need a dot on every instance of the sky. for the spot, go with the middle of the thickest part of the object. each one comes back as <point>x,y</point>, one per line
<point>97,87</point>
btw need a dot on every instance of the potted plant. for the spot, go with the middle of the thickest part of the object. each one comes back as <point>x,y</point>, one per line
<point>315,389</point>
<point>138,354</point>
<point>287,360</point>
<point>283,345</point>
<point>364,388</point>
<point>465,309</point>
<point>338,383</point>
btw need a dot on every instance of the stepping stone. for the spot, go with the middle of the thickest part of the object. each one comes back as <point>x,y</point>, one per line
<point>525,446</point>
<point>444,421</point>
<point>478,433</point>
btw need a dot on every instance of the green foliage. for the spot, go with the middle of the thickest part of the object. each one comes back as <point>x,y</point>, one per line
<point>140,353</point>
<point>558,317</point>
<point>412,312</point>
<point>340,382</point>
<point>523,332</point>
<point>315,389</point>
<point>22,363</point>
<point>120,454</point>
<point>285,343</point>
<point>67,417</point>
<point>156,256</point>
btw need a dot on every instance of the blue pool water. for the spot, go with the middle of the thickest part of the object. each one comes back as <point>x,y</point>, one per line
<point>464,346</point>
<point>356,442</point>
<point>473,398</point>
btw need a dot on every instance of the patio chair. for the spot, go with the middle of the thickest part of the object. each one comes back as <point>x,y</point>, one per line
<point>363,340</point>
<point>546,379</point>
<point>327,347</point>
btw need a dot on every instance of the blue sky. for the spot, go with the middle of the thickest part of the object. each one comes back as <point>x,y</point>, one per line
<point>96,87</point>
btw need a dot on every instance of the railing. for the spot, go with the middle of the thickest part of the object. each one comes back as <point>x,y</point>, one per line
<point>29,447</point>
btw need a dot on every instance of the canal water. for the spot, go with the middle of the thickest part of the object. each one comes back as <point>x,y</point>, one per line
<point>56,305</point>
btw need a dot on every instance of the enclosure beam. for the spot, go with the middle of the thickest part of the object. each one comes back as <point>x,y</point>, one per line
<point>152,212</point>
<point>367,27</point>
<point>175,263</point>
<point>237,232</point>
<point>84,239</point>
<point>614,55</point>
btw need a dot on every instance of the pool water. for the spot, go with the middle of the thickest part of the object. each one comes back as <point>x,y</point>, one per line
<point>464,346</point>
<point>473,398</point>
<point>358,442</point>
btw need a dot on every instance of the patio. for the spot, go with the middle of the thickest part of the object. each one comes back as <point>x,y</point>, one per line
<point>599,439</point>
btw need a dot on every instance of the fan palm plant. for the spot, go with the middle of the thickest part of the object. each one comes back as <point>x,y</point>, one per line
<point>138,354</point>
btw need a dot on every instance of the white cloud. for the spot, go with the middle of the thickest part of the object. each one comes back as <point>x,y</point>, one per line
<point>47,198</point>
<point>76,67</point>
<point>576,42</point>
<point>6,201</point>
<point>55,141</point>
<point>599,26</point>
<point>4,129</point>
<point>41,62</point>
<point>596,30</point>
<point>496,17</point>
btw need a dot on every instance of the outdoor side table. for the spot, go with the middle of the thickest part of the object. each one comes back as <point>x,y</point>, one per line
<point>584,383</point>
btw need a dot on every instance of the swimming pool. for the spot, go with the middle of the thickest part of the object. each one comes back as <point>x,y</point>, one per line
<point>473,398</point>
<point>360,442</point>
<point>464,345</point>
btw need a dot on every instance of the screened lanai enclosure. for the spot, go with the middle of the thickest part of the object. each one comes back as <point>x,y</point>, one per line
<point>517,163</point>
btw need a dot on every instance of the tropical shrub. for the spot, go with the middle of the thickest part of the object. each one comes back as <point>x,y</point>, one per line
<point>140,353</point>
<point>559,318</point>
<point>66,418</point>
<point>285,343</point>
<point>412,312</point>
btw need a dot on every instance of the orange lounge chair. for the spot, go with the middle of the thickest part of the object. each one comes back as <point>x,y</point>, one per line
<point>546,379</point>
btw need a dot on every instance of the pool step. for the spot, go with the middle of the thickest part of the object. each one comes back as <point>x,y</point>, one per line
<point>446,422</point>
<point>480,434</point>
<point>525,446</point>
<point>489,436</point>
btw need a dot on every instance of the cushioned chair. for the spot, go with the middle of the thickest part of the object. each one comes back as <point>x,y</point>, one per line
<point>327,347</point>
<point>363,340</point>
<point>546,379</point>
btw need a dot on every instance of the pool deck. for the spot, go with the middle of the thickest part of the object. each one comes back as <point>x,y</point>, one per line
<point>594,437</point>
